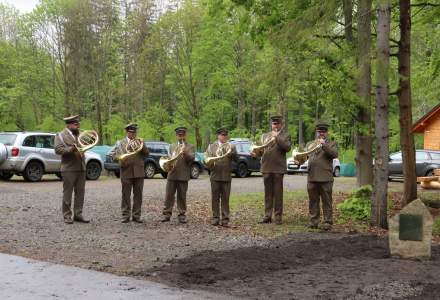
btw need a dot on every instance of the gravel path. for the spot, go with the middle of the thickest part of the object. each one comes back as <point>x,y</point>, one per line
<point>200,256</point>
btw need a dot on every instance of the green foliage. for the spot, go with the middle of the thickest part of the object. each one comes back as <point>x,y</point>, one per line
<point>358,205</point>
<point>347,156</point>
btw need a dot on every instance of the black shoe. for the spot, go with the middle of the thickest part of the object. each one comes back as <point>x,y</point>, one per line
<point>278,221</point>
<point>125,220</point>
<point>166,219</point>
<point>68,221</point>
<point>80,219</point>
<point>215,222</point>
<point>182,219</point>
<point>265,220</point>
<point>138,220</point>
<point>225,224</point>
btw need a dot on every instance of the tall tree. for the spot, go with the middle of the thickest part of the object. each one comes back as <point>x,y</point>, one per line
<point>380,195</point>
<point>364,139</point>
<point>405,104</point>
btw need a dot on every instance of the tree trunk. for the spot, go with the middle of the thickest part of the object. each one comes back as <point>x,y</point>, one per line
<point>405,105</point>
<point>300,124</point>
<point>380,188</point>
<point>348,19</point>
<point>364,141</point>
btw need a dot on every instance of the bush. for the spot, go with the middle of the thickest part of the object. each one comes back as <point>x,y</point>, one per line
<point>358,205</point>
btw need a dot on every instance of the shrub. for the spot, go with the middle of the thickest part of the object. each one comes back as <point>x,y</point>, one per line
<point>358,205</point>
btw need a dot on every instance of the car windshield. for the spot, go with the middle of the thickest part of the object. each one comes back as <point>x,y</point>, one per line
<point>246,147</point>
<point>7,138</point>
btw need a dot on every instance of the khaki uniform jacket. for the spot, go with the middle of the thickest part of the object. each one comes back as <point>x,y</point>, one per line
<point>222,169</point>
<point>71,159</point>
<point>182,169</point>
<point>320,165</point>
<point>133,167</point>
<point>274,158</point>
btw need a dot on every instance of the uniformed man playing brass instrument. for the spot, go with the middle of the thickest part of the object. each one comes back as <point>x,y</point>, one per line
<point>131,172</point>
<point>220,175</point>
<point>73,170</point>
<point>320,178</point>
<point>178,177</point>
<point>273,167</point>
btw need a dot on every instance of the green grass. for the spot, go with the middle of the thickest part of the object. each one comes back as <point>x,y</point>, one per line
<point>436,226</point>
<point>248,209</point>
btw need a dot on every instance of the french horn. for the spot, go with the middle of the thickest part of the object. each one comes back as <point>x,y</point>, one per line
<point>167,163</point>
<point>133,147</point>
<point>222,152</point>
<point>87,139</point>
<point>259,149</point>
<point>311,147</point>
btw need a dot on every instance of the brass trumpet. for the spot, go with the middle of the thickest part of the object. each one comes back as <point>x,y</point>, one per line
<point>168,163</point>
<point>131,148</point>
<point>87,139</point>
<point>222,152</point>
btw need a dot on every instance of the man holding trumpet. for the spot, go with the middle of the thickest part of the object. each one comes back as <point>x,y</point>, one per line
<point>273,167</point>
<point>130,152</point>
<point>73,170</point>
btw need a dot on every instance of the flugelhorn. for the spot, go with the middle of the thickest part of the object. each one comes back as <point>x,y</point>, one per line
<point>131,148</point>
<point>301,157</point>
<point>168,163</point>
<point>222,152</point>
<point>87,139</point>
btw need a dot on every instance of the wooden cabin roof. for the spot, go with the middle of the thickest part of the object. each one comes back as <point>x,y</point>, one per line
<point>420,125</point>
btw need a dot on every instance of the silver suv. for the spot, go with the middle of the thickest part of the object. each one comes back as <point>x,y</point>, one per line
<point>32,154</point>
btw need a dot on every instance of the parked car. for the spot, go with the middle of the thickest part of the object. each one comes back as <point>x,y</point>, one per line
<point>293,167</point>
<point>426,162</point>
<point>32,154</point>
<point>246,164</point>
<point>151,162</point>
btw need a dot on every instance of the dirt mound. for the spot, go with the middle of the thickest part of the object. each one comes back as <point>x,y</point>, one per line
<point>302,266</point>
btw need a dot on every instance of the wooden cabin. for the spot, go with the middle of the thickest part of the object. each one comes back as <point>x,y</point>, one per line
<point>429,125</point>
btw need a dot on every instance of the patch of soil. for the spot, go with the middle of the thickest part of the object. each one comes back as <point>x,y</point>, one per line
<point>306,266</point>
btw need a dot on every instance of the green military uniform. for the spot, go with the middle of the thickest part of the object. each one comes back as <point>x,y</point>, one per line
<point>220,176</point>
<point>177,181</point>
<point>273,167</point>
<point>73,171</point>
<point>320,182</point>
<point>132,178</point>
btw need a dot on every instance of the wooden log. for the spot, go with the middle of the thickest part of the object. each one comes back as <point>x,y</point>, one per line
<point>431,185</point>
<point>428,178</point>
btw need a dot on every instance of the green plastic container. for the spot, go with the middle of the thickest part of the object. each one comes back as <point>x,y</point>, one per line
<point>348,170</point>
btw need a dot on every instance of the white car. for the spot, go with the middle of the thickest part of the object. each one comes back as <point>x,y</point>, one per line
<point>292,167</point>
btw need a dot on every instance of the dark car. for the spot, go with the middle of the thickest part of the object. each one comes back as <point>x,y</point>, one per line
<point>151,162</point>
<point>246,164</point>
<point>426,162</point>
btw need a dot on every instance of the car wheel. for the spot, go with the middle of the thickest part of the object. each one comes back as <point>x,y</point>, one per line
<point>93,170</point>
<point>149,170</point>
<point>6,175</point>
<point>117,174</point>
<point>164,174</point>
<point>430,173</point>
<point>33,172</point>
<point>337,172</point>
<point>195,171</point>
<point>242,171</point>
